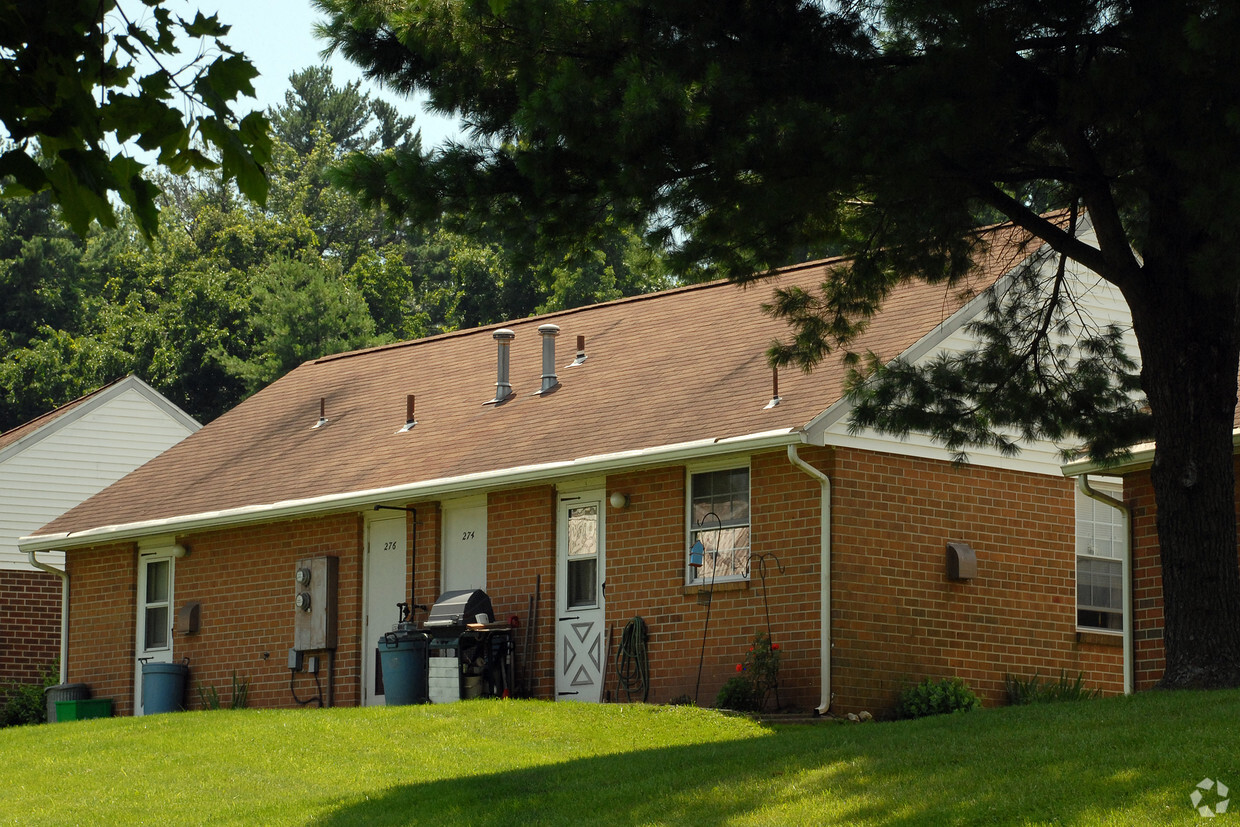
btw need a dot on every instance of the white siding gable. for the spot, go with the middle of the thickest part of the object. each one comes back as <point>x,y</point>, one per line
<point>1099,304</point>
<point>79,454</point>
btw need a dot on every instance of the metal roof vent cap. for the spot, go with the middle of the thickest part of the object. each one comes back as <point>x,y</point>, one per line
<point>549,380</point>
<point>503,388</point>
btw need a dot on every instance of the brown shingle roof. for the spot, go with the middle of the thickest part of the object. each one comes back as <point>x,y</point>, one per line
<point>662,369</point>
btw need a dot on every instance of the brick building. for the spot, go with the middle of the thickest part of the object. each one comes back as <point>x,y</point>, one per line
<point>585,478</point>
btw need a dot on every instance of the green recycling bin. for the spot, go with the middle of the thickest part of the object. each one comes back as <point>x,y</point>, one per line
<point>403,658</point>
<point>82,709</point>
<point>163,687</point>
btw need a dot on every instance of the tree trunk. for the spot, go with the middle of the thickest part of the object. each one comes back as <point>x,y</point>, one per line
<point>1189,352</point>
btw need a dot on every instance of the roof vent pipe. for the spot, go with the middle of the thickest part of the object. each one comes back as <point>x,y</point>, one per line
<point>775,397</point>
<point>503,388</point>
<point>581,352</point>
<point>410,420</point>
<point>549,379</point>
<point>322,413</point>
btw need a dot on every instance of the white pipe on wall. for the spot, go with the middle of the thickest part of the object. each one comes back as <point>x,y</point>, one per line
<point>64,612</point>
<point>1082,483</point>
<point>824,566</point>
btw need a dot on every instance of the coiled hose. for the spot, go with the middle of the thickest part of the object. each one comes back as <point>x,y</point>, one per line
<point>633,665</point>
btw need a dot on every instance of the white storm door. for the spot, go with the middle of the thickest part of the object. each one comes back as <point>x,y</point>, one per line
<point>579,646</point>
<point>465,544</point>
<point>386,583</point>
<point>154,621</point>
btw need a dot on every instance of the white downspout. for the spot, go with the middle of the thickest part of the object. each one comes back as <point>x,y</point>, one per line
<point>1082,483</point>
<point>824,566</point>
<point>64,612</point>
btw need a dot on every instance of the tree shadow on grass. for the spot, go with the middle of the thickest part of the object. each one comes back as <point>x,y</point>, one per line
<point>823,775</point>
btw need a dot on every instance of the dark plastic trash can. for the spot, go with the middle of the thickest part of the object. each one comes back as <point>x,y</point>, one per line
<point>403,657</point>
<point>63,692</point>
<point>163,687</point>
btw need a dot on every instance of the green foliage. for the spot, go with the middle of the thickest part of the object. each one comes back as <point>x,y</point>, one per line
<point>756,677</point>
<point>71,92</point>
<point>26,703</point>
<point>931,697</point>
<point>210,697</point>
<point>1034,690</point>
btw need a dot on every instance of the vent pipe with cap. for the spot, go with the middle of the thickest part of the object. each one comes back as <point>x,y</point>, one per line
<point>549,379</point>
<point>503,388</point>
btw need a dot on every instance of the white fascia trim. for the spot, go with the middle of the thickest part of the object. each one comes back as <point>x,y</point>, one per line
<point>1140,457</point>
<point>546,472</point>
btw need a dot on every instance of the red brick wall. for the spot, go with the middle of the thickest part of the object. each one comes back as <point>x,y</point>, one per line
<point>103,583</point>
<point>898,618</point>
<point>243,579</point>
<point>29,625</point>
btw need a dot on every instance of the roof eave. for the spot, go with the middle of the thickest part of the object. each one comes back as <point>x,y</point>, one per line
<point>1140,457</point>
<point>427,489</point>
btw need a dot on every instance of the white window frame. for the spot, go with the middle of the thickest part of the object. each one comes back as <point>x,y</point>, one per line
<point>1085,536</point>
<point>692,575</point>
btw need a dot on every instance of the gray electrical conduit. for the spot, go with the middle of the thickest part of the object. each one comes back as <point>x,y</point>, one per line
<point>824,566</point>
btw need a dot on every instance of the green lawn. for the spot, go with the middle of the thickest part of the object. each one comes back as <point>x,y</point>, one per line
<point>1119,761</point>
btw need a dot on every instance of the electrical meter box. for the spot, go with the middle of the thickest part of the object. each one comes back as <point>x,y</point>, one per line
<point>314,602</point>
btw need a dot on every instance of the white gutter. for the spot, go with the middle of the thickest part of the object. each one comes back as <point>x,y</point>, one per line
<point>1082,484</point>
<point>346,501</point>
<point>824,577</point>
<point>64,612</point>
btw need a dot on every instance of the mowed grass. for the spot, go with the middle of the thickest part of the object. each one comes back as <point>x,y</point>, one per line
<point>1117,761</point>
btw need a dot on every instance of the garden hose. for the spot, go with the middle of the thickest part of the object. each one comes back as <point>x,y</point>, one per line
<point>633,665</point>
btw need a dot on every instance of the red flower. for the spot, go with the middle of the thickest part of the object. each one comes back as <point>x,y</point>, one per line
<point>774,645</point>
<point>740,668</point>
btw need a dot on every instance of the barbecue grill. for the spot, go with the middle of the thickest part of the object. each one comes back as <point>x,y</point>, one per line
<point>470,656</point>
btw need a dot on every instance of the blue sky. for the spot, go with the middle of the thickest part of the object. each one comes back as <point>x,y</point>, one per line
<point>278,37</point>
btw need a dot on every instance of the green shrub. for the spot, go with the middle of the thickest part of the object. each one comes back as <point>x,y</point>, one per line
<point>931,697</point>
<point>756,677</point>
<point>1036,691</point>
<point>26,703</point>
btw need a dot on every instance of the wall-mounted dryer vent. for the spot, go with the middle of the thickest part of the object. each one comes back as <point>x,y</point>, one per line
<point>503,388</point>
<point>322,413</point>
<point>410,420</point>
<point>581,352</point>
<point>775,397</point>
<point>549,379</point>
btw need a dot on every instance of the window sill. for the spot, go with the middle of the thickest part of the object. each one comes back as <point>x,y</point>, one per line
<point>1100,637</point>
<point>720,586</point>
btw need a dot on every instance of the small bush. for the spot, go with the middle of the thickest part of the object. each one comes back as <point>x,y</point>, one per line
<point>240,695</point>
<point>931,697</point>
<point>756,677</point>
<point>1034,690</point>
<point>26,703</point>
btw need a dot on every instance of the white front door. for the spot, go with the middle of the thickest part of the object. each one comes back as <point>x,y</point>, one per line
<point>465,544</point>
<point>386,584</point>
<point>154,638</point>
<point>579,649</point>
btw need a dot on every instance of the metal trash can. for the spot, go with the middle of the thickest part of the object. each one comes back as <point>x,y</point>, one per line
<point>163,687</point>
<point>403,658</point>
<point>63,692</point>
